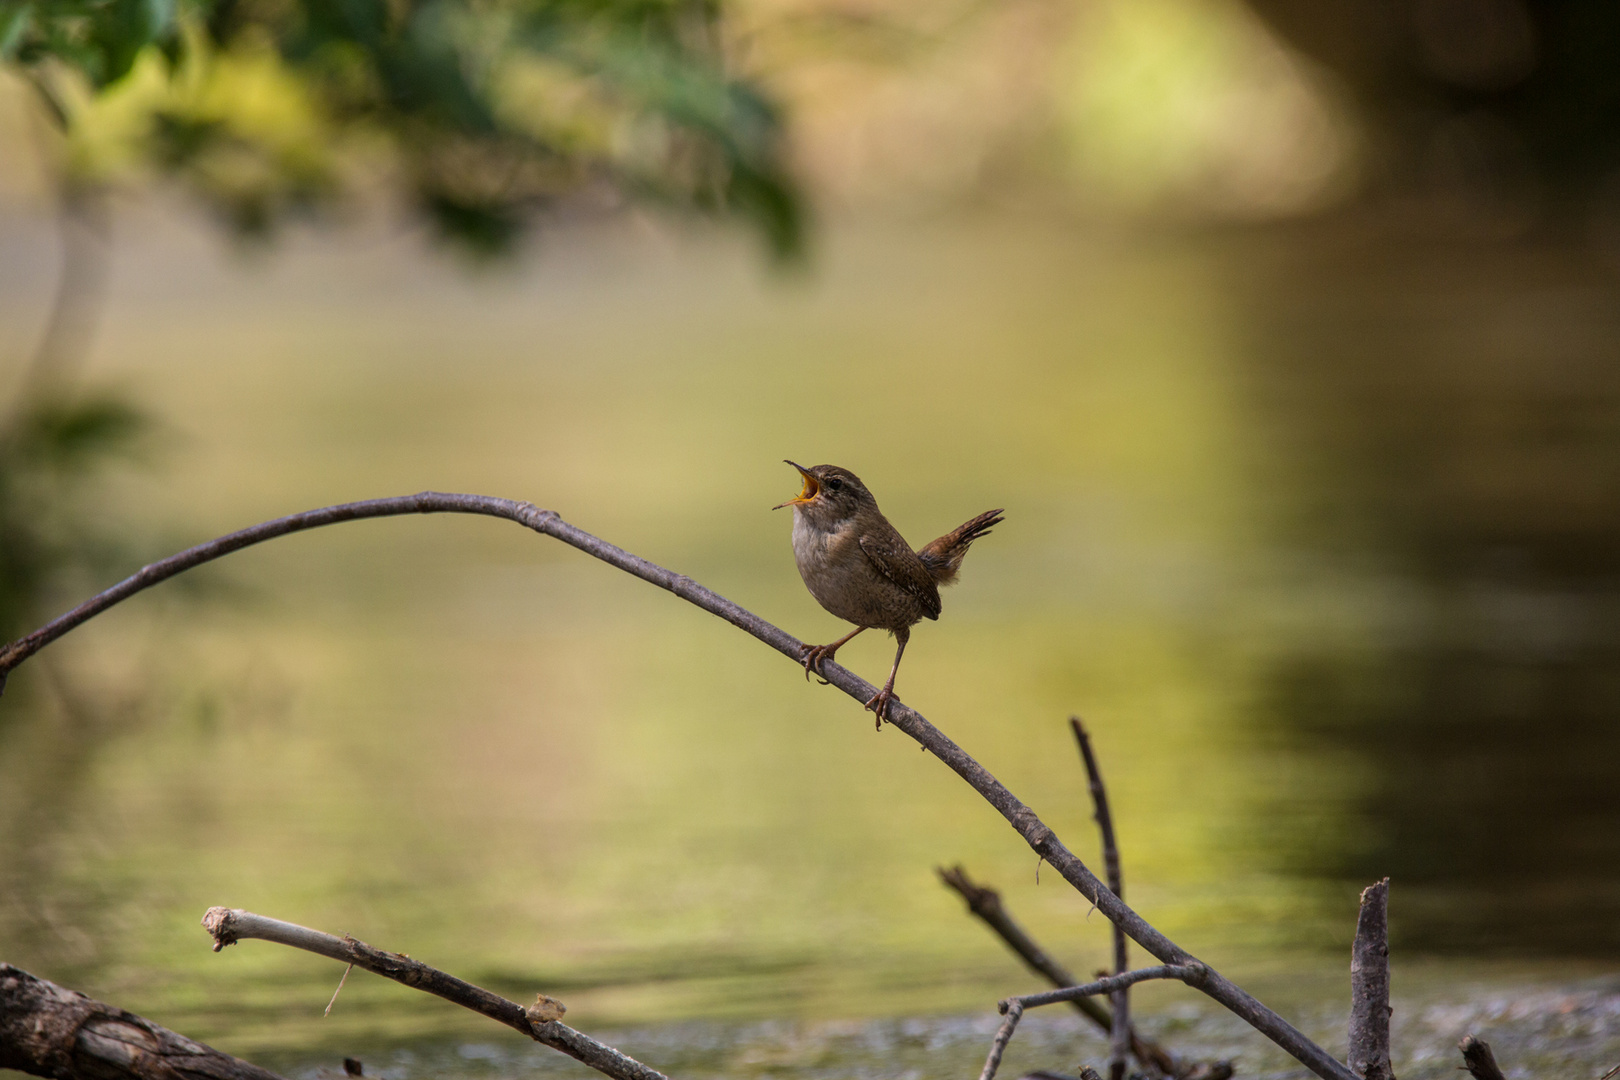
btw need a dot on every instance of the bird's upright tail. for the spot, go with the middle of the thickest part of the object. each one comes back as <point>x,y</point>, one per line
<point>944,556</point>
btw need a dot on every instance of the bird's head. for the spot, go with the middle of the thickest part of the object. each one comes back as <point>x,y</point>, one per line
<point>830,495</point>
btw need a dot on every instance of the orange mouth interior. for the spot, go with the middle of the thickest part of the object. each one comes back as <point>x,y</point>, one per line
<point>812,488</point>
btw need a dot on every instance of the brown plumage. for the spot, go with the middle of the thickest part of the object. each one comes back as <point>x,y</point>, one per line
<point>861,569</point>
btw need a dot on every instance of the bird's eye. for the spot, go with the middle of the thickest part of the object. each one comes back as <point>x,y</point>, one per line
<point>835,484</point>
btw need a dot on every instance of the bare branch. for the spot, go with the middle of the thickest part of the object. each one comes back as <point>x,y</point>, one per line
<point>998,1045</point>
<point>1120,1033</point>
<point>49,1030</point>
<point>1479,1060</point>
<point>539,1022</point>
<point>1028,825</point>
<point>1369,987</point>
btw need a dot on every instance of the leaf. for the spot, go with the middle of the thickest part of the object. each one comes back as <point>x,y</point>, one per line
<point>14,23</point>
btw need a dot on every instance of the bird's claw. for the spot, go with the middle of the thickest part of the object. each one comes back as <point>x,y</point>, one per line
<point>812,657</point>
<point>880,705</point>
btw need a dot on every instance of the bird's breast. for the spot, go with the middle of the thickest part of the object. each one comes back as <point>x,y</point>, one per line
<point>818,550</point>
<point>844,581</point>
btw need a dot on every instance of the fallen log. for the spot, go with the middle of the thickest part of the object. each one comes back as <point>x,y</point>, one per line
<point>49,1030</point>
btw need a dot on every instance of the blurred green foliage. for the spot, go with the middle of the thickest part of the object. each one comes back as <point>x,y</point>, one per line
<point>483,111</point>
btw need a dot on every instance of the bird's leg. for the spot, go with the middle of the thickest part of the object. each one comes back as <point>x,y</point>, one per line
<point>813,656</point>
<point>880,701</point>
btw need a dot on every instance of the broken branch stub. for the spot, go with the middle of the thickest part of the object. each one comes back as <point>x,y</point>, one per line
<point>1369,987</point>
<point>1478,1059</point>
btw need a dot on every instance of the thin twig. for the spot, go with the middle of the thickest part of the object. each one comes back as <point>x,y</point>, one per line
<point>985,903</point>
<point>1120,1034</point>
<point>1023,820</point>
<point>1190,974</point>
<point>998,1045</point>
<point>229,925</point>
<point>1369,987</point>
<point>1478,1059</point>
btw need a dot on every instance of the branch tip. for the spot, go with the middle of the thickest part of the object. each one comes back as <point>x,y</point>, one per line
<point>217,921</point>
<point>1479,1061</point>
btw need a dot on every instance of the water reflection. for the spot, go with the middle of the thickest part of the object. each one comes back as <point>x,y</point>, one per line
<point>1469,400</point>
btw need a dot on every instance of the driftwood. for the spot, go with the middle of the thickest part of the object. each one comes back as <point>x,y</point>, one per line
<point>540,1021</point>
<point>1041,839</point>
<point>48,1030</point>
<point>1369,987</point>
<point>1120,1034</point>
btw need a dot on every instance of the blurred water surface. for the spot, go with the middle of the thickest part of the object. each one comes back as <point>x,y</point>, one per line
<point>1316,528</point>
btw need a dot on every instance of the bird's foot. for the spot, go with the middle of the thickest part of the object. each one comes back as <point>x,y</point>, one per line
<point>880,704</point>
<point>812,657</point>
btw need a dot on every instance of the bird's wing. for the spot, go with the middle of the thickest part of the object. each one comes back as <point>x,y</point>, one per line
<point>896,561</point>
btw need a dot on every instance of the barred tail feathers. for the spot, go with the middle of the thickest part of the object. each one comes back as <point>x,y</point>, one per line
<point>944,556</point>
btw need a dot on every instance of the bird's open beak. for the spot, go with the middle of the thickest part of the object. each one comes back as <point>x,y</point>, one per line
<point>812,487</point>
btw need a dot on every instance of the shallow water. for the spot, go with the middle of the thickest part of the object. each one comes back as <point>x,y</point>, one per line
<point>1316,529</point>
<point>1533,1030</point>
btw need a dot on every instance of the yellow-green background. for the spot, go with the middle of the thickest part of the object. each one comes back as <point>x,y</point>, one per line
<point>455,739</point>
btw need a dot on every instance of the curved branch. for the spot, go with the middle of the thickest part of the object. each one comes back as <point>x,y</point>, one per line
<point>427,502</point>
<point>1024,820</point>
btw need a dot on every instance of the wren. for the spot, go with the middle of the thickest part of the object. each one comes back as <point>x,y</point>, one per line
<point>861,569</point>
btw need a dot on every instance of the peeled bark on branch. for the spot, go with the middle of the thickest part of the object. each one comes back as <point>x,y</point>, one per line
<point>51,1031</point>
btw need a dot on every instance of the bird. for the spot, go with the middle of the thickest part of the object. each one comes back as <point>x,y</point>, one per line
<point>861,569</point>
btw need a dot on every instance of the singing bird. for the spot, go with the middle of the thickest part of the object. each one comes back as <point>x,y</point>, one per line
<point>861,569</point>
